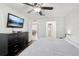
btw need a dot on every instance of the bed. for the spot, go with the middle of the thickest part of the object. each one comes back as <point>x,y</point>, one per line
<point>51,47</point>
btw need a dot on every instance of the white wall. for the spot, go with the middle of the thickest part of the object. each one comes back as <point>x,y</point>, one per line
<point>72,24</point>
<point>4,10</point>
<point>60,29</point>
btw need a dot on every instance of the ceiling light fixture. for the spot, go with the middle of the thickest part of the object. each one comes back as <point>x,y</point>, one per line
<point>37,9</point>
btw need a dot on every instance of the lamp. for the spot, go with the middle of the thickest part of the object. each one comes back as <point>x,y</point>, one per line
<point>68,32</point>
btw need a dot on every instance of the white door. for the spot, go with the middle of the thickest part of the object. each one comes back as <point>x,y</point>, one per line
<point>34,30</point>
<point>51,29</point>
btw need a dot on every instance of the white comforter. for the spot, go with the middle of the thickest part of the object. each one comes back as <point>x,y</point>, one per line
<point>50,47</point>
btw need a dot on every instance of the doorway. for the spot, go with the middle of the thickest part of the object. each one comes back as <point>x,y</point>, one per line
<point>34,30</point>
<point>51,29</point>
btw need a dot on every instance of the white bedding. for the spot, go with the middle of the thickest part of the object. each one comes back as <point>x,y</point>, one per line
<point>50,47</point>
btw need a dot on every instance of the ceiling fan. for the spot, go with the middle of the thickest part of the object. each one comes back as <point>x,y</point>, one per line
<point>37,7</point>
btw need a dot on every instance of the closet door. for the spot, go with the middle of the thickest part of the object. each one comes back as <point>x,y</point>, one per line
<point>51,29</point>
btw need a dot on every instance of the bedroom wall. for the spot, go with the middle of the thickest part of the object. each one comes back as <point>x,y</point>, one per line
<point>72,24</point>
<point>60,29</point>
<point>4,10</point>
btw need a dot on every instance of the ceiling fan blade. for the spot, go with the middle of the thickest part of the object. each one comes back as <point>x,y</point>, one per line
<point>47,8</point>
<point>28,4</point>
<point>30,11</point>
<point>41,13</point>
<point>35,4</point>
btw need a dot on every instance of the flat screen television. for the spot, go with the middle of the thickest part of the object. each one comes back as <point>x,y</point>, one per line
<point>14,21</point>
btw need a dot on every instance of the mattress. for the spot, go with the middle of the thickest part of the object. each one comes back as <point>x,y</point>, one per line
<point>50,47</point>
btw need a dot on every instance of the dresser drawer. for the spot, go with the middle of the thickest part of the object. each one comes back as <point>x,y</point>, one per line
<point>12,50</point>
<point>13,47</point>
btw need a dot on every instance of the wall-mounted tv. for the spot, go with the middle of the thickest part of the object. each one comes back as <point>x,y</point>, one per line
<point>14,21</point>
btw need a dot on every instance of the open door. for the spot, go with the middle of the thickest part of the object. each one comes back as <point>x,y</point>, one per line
<point>34,30</point>
<point>51,29</point>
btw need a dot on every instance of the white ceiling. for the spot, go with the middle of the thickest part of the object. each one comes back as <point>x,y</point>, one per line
<point>60,9</point>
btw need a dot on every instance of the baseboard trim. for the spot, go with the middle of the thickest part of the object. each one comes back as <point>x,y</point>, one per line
<point>71,42</point>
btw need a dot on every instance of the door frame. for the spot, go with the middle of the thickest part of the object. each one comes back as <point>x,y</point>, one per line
<point>35,28</point>
<point>53,24</point>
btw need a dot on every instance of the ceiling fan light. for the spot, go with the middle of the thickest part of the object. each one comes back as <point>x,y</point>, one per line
<point>37,9</point>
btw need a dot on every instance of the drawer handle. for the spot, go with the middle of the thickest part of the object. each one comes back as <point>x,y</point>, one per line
<point>15,45</point>
<point>16,50</point>
<point>24,44</point>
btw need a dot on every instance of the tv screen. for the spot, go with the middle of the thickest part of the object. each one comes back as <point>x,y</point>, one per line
<point>14,21</point>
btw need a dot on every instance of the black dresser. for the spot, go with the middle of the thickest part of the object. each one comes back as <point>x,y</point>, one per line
<point>3,44</point>
<point>17,42</point>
